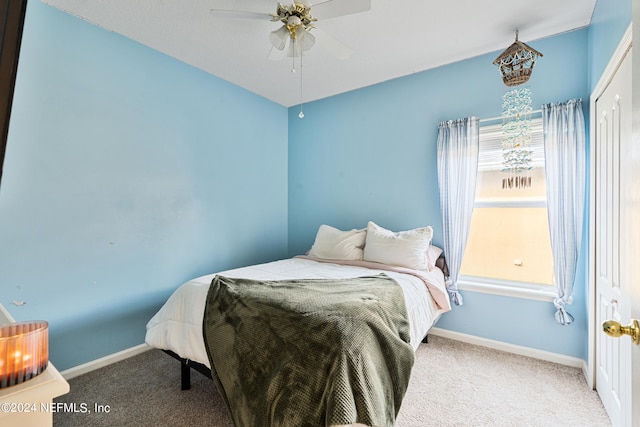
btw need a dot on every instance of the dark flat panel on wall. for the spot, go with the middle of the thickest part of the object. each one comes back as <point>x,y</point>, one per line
<point>12,14</point>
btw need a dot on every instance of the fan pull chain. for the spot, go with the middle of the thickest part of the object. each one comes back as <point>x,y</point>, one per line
<point>293,55</point>
<point>301,114</point>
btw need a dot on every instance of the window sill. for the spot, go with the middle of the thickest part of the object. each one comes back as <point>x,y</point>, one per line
<point>508,289</point>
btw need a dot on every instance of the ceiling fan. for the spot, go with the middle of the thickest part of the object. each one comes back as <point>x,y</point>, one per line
<point>294,36</point>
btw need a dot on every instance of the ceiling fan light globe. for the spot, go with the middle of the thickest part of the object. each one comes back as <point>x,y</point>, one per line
<point>306,40</point>
<point>294,21</point>
<point>279,37</point>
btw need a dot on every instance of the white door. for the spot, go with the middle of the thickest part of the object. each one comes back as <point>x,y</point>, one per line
<point>633,212</point>
<point>615,243</point>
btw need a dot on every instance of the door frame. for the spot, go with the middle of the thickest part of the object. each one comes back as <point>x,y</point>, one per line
<point>11,26</point>
<point>605,79</point>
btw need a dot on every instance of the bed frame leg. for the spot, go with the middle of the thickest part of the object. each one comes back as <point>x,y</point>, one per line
<point>186,366</point>
<point>426,339</point>
<point>185,376</point>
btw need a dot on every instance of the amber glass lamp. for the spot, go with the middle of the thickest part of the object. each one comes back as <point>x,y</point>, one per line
<point>24,351</point>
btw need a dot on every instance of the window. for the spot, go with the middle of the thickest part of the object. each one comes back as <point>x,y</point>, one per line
<point>509,243</point>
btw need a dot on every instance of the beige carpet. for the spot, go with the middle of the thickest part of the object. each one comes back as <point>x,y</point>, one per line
<point>452,384</point>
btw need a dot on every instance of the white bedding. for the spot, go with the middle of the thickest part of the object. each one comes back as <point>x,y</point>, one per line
<point>178,324</point>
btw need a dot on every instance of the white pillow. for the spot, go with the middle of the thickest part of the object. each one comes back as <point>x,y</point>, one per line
<point>403,248</point>
<point>332,243</point>
<point>433,253</point>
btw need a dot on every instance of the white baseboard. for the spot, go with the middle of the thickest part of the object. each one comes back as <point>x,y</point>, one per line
<point>588,376</point>
<point>104,361</point>
<point>561,359</point>
<point>471,339</point>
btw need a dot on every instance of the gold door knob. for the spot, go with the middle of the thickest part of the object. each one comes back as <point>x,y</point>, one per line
<point>616,330</point>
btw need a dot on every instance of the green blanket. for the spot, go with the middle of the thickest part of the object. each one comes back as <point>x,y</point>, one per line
<point>309,352</point>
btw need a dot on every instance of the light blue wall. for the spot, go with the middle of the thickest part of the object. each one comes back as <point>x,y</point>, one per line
<point>371,155</point>
<point>610,20</point>
<point>126,173</point>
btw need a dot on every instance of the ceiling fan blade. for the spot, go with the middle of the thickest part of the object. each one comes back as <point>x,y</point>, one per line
<point>333,8</point>
<point>242,14</point>
<point>258,6</point>
<point>333,45</point>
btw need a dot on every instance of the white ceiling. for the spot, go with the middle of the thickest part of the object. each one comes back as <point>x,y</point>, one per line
<point>393,39</point>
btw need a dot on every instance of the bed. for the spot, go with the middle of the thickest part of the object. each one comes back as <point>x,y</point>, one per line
<point>194,326</point>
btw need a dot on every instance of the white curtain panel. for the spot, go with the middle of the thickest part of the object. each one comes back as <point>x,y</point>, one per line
<point>565,164</point>
<point>458,142</point>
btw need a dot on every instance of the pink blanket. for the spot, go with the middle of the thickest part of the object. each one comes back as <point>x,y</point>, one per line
<point>433,280</point>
